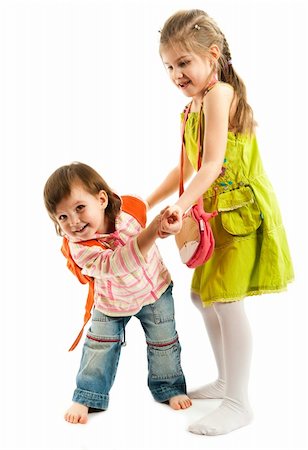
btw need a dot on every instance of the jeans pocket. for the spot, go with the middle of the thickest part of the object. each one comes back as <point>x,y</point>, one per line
<point>163,308</point>
<point>164,363</point>
<point>105,326</point>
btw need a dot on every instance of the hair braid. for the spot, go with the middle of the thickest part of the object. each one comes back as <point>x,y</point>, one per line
<point>226,50</point>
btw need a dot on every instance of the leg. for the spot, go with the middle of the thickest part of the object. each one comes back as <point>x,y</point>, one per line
<point>209,315</point>
<point>98,366</point>
<point>165,380</point>
<point>234,411</point>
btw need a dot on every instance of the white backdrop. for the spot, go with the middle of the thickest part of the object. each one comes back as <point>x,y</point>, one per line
<point>82,80</point>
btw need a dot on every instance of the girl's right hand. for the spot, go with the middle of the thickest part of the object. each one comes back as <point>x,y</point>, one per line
<point>171,220</point>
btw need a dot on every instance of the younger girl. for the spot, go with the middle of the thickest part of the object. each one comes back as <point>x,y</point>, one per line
<point>130,279</point>
<point>251,256</point>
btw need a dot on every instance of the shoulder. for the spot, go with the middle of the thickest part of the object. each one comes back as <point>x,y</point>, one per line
<point>217,104</point>
<point>221,93</point>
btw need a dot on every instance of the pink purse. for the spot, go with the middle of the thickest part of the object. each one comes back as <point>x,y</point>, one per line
<point>195,241</point>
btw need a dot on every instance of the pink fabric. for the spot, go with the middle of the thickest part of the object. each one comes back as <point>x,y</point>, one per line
<point>124,281</point>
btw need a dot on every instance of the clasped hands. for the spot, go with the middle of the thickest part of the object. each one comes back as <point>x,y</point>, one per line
<point>170,221</point>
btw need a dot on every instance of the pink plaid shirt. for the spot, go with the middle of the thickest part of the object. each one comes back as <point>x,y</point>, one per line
<point>124,281</point>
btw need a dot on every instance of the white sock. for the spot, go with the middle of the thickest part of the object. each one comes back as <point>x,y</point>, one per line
<point>217,388</point>
<point>229,416</point>
<point>210,390</point>
<point>235,410</point>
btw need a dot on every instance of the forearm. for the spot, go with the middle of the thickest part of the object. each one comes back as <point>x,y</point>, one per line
<point>148,236</point>
<point>165,189</point>
<point>201,182</point>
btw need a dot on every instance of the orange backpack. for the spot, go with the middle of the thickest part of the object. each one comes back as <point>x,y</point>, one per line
<point>131,205</point>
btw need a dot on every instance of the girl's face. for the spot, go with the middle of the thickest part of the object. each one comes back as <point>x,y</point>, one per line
<point>81,215</point>
<point>190,72</point>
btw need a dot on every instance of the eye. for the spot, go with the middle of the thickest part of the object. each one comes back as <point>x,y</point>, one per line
<point>184,63</point>
<point>79,208</point>
<point>62,217</point>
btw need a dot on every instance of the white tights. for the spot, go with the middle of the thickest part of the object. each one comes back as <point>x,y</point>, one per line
<point>229,333</point>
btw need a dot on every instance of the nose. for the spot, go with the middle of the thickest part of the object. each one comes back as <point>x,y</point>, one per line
<point>177,73</point>
<point>74,219</point>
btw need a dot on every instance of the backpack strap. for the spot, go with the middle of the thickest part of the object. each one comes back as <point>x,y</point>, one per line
<point>131,205</point>
<point>77,271</point>
<point>136,208</point>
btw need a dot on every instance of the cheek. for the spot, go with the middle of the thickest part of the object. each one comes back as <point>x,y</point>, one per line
<point>63,226</point>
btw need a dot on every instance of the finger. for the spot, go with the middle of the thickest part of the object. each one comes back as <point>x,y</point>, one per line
<point>163,234</point>
<point>163,210</point>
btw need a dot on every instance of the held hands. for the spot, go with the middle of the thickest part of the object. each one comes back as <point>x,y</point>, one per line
<point>170,221</point>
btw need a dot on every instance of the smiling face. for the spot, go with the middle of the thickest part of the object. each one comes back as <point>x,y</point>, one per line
<point>81,215</point>
<point>190,72</point>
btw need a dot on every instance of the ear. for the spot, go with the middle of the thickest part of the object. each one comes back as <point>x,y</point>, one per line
<point>103,199</point>
<point>215,52</point>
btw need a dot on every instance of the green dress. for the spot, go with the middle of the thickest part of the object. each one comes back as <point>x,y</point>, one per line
<point>251,253</point>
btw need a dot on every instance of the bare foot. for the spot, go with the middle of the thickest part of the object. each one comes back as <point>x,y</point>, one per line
<point>180,402</point>
<point>77,413</point>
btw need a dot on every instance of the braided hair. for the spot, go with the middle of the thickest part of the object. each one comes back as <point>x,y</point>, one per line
<point>194,30</point>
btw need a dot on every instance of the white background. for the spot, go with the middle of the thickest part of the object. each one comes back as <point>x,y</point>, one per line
<point>82,80</point>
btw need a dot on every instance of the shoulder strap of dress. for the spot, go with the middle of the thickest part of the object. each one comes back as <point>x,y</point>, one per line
<point>210,86</point>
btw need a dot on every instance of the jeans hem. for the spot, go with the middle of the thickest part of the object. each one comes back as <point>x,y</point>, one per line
<point>91,399</point>
<point>163,394</point>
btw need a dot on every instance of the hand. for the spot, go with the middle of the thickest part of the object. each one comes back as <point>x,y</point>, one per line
<point>162,234</point>
<point>171,220</point>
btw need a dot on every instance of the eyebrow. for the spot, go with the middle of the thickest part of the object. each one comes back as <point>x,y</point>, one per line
<point>79,202</point>
<point>177,60</point>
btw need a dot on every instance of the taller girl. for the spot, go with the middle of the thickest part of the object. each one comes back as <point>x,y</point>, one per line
<point>251,256</point>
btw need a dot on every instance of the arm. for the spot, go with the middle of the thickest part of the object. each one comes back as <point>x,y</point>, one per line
<point>216,107</point>
<point>170,183</point>
<point>148,236</point>
<point>96,261</point>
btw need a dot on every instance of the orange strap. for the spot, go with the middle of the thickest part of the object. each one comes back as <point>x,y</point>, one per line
<point>131,205</point>
<point>136,208</point>
<point>87,315</point>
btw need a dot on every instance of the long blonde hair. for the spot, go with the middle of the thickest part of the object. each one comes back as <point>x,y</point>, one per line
<point>194,31</point>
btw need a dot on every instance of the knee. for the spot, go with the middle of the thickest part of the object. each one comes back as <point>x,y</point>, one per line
<point>163,344</point>
<point>164,360</point>
<point>104,343</point>
<point>196,300</point>
<point>228,310</point>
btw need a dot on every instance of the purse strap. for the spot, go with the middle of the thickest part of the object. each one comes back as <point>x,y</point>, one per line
<point>183,148</point>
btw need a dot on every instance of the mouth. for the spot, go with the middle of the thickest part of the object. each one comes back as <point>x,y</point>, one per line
<point>80,230</point>
<point>184,84</point>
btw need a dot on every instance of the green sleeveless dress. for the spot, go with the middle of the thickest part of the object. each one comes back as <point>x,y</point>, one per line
<point>251,253</point>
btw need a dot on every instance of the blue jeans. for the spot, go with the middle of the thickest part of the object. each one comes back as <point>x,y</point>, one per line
<point>102,348</point>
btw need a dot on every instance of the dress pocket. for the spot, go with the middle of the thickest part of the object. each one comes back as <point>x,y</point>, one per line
<point>240,213</point>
